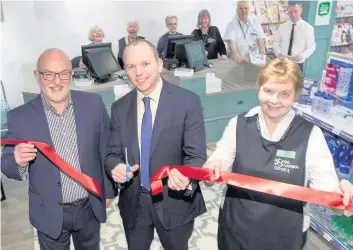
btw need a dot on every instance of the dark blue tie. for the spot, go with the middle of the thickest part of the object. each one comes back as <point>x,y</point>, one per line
<point>146,136</point>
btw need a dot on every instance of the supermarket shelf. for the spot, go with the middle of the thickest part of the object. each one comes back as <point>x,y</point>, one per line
<point>344,131</point>
<point>327,235</point>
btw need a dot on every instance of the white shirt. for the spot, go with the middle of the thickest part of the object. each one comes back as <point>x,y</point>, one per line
<point>320,171</point>
<point>303,41</point>
<point>245,35</point>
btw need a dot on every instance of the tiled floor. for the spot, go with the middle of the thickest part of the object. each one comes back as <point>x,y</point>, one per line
<point>17,233</point>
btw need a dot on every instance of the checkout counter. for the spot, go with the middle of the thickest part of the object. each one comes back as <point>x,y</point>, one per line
<point>237,93</point>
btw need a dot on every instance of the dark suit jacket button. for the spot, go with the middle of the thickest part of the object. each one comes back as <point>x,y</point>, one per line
<point>60,203</point>
<point>59,183</point>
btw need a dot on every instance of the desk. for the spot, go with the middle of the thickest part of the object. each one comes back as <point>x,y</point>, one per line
<point>238,94</point>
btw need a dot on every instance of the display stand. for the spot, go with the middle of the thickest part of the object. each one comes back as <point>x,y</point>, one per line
<point>342,34</point>
<point>271,14</point>
<point>337,230</point>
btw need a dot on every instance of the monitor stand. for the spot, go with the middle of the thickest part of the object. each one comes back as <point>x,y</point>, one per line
<point>199,68</point>
<point>106,79</point>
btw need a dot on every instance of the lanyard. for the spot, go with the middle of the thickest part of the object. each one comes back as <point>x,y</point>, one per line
<point>259,128</point>
<point>242,30</point>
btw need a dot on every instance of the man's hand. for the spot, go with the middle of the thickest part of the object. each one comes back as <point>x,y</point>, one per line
<point>238,58</point>
<point>177,181</point>
<point>119,172</point>
<point>346,189</point>
<point>298,58</point>
<point>109,202</point>
<point>24,153</point>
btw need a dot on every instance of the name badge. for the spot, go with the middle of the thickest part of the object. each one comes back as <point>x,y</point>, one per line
<point>286,154</point>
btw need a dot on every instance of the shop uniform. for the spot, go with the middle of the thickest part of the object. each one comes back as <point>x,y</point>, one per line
<point>245,35</point>
<point>212,41</point>
<point>295,39</point>
<point>297,154</point>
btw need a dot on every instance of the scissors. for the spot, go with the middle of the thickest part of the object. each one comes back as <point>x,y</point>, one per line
<point>128,166</point>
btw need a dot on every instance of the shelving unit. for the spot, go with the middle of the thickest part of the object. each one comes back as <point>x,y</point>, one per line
<point>321,217</point>
<point>342,34</point>
<point>271,15</point>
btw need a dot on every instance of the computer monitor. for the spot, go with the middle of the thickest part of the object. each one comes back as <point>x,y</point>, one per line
<point>169,48</point>
<point>100,61</point>
<point>193,55</point>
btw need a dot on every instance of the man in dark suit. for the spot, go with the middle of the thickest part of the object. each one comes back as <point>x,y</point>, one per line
<point>157,124</point>
<point>76,125</point>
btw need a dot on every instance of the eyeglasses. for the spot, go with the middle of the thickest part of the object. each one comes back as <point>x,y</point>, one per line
<point>50,76</point>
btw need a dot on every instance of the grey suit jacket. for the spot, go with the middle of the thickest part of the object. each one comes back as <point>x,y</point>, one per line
<point>178,138</point>
<point>29,122</point>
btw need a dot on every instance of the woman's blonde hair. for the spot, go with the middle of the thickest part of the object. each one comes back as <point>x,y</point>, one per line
<point>203,12</point>
<point>285,70</point>
<point>168,18</point>
<point>92,30</point>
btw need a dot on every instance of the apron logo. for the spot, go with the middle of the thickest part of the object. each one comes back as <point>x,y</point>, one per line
<point>284,165</point>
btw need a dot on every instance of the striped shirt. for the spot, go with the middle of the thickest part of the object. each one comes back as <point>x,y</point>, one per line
<point>62,128</point>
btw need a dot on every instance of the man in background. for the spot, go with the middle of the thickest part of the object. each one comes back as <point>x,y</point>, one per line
<point>76,125</point>
<point>156,124</point>
<point>244,34</point>
<point>295,38</point>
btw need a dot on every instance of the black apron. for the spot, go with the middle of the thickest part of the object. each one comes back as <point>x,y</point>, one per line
<point>252,220</point>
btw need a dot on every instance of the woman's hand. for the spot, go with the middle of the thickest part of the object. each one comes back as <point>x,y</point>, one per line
<point>346,189</point>
<point>216,166</point>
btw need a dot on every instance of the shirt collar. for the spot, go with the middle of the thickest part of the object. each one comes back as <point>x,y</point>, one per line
<point>49,107</point>
<point>297,23</point>
<point>257,111</point>
<point>155,93</point>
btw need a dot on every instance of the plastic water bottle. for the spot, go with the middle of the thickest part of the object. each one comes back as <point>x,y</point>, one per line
<point>343,173</point>
<point>326,104</point>
<point>317,99</point>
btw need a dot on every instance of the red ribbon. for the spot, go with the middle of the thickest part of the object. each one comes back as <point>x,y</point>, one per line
<point>328,199</point>
<point>89,183</point>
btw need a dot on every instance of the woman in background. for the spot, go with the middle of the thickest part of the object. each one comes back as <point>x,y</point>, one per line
<point>132,35</point>
<point>172,24</point>
<point>96,36</point>
<point>210,36</point>
<point>272,142</point>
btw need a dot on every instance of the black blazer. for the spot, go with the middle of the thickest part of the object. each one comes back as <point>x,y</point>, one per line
<point>178,139</point>
<point>213,42</point>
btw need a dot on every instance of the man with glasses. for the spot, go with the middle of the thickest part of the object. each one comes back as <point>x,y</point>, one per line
<point>76,125</point>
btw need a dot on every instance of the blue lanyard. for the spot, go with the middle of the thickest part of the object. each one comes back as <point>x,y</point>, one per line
<point>242,30</point>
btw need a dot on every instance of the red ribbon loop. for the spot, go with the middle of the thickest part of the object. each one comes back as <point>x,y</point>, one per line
<point>87,182</point>
<point>328,199</point>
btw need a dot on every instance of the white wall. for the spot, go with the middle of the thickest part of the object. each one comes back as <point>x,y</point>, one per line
<point>31,27</point>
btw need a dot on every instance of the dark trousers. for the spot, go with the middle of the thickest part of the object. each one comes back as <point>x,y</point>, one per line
<point>80,223</point>
<point>141,235</point>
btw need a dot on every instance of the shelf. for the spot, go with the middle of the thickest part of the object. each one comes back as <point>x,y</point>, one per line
<point>344,131</point>
<point>324,227</point>
<point>344,16</point>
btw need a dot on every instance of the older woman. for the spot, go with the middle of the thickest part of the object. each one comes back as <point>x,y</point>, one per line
<point>172,24</point>
<point>132,35</point>
<point>272,142</point>
<point>96,36</point>
<point>210,36</point>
